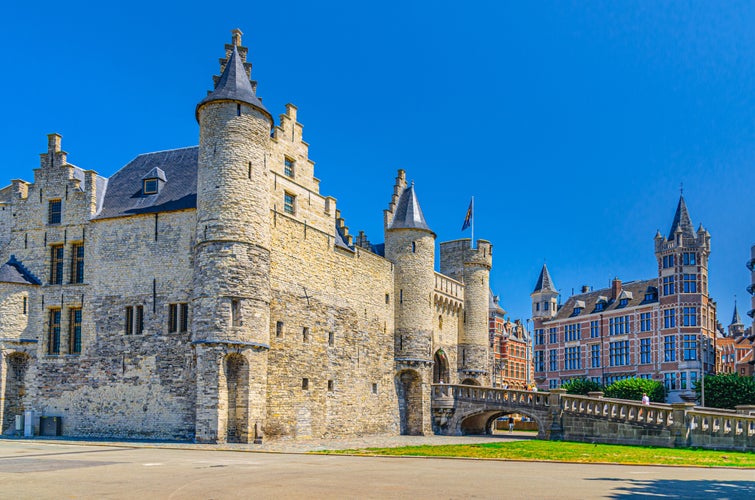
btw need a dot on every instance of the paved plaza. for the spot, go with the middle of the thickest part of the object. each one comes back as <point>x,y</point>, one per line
<point>57,469</point>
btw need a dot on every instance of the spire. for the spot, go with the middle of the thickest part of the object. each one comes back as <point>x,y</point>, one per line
<point>408,213</point>
<point>735,319</point>
<point>544,282</point>
<point>682,222</point>
<point>234,84</point>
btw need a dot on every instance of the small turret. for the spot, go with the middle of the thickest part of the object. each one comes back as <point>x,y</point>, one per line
<point>736,327</point>
<point>544,296</point>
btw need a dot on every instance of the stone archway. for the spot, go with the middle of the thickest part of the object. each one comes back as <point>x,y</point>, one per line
<point>237,397</point>
<point>16,367</point>
<point>441,372</point>
<point>409,390</point>
<point>470,381</point>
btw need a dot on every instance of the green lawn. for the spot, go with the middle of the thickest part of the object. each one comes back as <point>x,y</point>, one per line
<point>561,451</point>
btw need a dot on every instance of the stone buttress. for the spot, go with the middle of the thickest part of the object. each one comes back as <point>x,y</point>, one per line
<point>231,297</point>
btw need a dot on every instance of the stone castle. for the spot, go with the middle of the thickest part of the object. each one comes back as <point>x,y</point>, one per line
<point>212,293</point>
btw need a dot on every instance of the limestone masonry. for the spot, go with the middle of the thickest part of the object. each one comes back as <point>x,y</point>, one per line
<point>212,293</point>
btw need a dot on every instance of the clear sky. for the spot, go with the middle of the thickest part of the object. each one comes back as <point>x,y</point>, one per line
<point>572,123</point>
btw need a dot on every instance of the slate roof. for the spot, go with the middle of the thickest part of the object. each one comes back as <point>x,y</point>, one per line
<point>124,194</point>
<point>408,214</point>
<point>544,282</point>
<point>736,320</point>
<point>15,272</point>
<point>637,289</point>
<point>234,85</point>
<point>682,221</point>
<point>5,194</point>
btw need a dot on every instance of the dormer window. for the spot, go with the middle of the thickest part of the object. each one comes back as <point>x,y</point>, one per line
<point>623,302</point>
<point>150,186</point>
<point>153,181</point>
<point>577,310</point>
<point>599,306</point>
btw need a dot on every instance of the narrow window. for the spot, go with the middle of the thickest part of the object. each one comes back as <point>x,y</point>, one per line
<point>414,246</point>
<point>77,263</point>
<point>305,383</point>
<point>129,326</point>
<point>183,324</point>
<point>331,339</point>
<point>139,323</point>
<point>289,203</point>
<point>305,334</point>
<point>56,264</point>
<point>387,298</point>
<point>235,312</point>
<point>401,296</point>
<point>250,170</point>
<point>288,166</point>
<point>238,110</point>
<point>279,329</point>
<point>53,333</point>
<point>330,386</point>
<point>25,306</point>
<point>374,388</point>
<point>172,318</point>
<point>54,212</point>
<point>74,331</point>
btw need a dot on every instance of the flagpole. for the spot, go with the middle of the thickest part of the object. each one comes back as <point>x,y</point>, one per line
<point>472,246</point>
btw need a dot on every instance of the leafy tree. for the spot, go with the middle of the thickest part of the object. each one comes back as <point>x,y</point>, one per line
<point>633,388</point>
<point>581,386</point>
<point>727,390</point>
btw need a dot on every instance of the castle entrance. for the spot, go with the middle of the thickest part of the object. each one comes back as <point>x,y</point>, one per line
<point>15,388</point>
<point>409,389</point>
<point>237,387</point>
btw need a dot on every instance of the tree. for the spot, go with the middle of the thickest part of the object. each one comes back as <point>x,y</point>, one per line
<point>633,388</point>
<point>727,390</point>
<point>581,386</point>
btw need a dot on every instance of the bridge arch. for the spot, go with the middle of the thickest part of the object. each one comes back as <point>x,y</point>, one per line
<point>482,421</point>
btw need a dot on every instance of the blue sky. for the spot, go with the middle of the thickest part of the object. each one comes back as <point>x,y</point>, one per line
<point>572,123</point>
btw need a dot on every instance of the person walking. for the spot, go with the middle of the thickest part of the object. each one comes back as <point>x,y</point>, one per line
<point>645,399</point>
<point>511,424</point>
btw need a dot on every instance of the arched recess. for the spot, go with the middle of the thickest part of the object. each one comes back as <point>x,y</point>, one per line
<point>470,381</point>
<point>409,390</point>
<point>236,370</point>
<point>483,421</point>
<point>441,372</point>
<point>15,388</point>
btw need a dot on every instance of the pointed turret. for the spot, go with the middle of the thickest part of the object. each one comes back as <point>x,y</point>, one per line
<point>736,327</point>
<point>735,319</point>
<point>682,222</point>
<point>408,213</point>
<point>234,84</point>
<point>544,296</point>
<point>544,282</point>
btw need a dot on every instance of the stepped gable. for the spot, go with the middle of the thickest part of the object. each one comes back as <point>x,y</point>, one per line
<point>125,195</point>
<point>14,271</point>
<point>634,291</point>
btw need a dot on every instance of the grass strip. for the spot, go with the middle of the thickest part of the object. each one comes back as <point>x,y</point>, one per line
<point>561,451</point>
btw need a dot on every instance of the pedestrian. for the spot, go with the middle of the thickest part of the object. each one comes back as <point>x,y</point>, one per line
<point>645,399</point>
<point>511,425</point>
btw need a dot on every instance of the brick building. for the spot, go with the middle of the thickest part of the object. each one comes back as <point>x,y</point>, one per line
<point>662,328</point>
<point>213,293</point>
<point>510,349</point>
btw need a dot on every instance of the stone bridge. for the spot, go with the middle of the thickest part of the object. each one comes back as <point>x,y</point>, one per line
<point>468,409</point>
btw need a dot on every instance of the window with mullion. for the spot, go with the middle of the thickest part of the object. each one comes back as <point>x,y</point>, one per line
<point>53,332</point>
<point>74,331</point>
<point>56,264</point>
<point>77,263</point>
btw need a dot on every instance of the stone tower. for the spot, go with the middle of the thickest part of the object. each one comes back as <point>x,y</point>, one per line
<point>471,266</point>
<point>544,297</point>
<point>410,246</point>
<point>230,305</point>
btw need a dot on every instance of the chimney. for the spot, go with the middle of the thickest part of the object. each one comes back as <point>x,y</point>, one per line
<point>585,288</point>
<point>615,288</point>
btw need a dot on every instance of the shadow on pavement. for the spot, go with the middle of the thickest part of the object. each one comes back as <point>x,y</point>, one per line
<point>675,488</point>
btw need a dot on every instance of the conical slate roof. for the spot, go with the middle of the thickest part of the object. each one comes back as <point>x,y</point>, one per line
<point>735,319</point>
<point>544,282</point>
<point>408,212</point>
<point>682,221</point>
<point>234,85</point>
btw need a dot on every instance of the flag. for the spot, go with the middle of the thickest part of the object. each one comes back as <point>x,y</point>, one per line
<point>468,217</point>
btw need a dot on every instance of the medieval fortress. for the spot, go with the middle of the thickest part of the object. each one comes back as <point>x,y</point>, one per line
<point>212,293</point>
